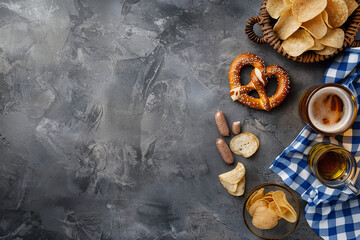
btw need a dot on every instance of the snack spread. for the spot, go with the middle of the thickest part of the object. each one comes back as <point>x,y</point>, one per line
<point>244,144</point>
<point>234,180</point>
<point>267,209</point>
<point>305,25</point>
<point>259,79</point>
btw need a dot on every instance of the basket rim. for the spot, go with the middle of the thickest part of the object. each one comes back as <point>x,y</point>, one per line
<point>272,38</point>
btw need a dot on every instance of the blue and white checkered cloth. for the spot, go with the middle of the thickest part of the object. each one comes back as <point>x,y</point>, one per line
<point>332,213</point>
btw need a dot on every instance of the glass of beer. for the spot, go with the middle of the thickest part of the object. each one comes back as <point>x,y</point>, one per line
<point>329,109</point>
<point>334,166</point>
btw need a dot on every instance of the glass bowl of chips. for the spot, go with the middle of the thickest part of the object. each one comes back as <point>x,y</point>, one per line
<point>271,211</point>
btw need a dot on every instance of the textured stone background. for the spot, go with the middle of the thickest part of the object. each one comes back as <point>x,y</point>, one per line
<point>106,118</point>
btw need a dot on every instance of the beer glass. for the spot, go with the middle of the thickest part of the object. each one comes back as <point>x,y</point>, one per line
<point>334,166</point>
<point>329,109</point>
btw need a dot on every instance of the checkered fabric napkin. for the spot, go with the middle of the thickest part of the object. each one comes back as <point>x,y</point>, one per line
<point>332,213</point>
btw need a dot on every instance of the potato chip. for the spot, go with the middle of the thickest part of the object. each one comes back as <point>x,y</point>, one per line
<point>285,10</point>
<point>304,10</point>
<point>254,197</point>
<point>327,51</point>
<point>268,198</point>
<point>269,193</point>
<point>240,188</point>
<point>280,201</point>
<point>234,176</point>
<point>333,38</point>
<point>298,43</point>
<point>258,203</point>
<point>273,206</point>
<point>284,209</point>
<point>264,218</point>
<point>257,195</point>
<point>317,46</point>
<point>274,7</point>
<point>286,25</point>
<point>316,27</point>
<point>287,2</point>
<point>290,215</point>
<point>352,5</point>
<point>337,11</point>
<point>230,187</point>
<point>326,18</point>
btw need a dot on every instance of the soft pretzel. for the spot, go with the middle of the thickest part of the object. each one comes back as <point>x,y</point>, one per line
<point>259,79</point>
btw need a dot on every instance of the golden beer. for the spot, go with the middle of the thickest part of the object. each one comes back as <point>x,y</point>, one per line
<point>333,166</point>
<point>329,109</point>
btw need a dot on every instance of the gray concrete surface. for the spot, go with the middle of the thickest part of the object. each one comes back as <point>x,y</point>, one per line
<point>107,119</point>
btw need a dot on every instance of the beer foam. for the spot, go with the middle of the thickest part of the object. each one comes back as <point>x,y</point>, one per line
<point>348,110</point>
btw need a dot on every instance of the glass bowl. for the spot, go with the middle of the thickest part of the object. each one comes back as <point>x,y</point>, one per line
<point>283,228</point>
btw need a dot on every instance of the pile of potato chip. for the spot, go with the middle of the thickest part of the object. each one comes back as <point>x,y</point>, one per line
<point>267,209</point>
<point>234,180</point>
<point>305,25</point>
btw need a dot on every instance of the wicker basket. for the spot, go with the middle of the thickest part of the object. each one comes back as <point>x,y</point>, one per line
<point>270,37</point>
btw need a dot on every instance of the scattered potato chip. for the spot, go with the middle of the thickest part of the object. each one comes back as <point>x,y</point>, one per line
<point>333,38</point>
<point>264,218</point>
<point>234,180</point>
<point>338,12</point>
<point>327,51</point>
<point>274,7</point>
<point>315,27</point>
<point>244,144</point>
<point>304,10</point>
<point>229,186</point>
<point>352,5</point>
<point>317,46</point>
<point>240,189</point>
<point>234,176</point>
<point>286,25</point>
<point>298,43</point>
